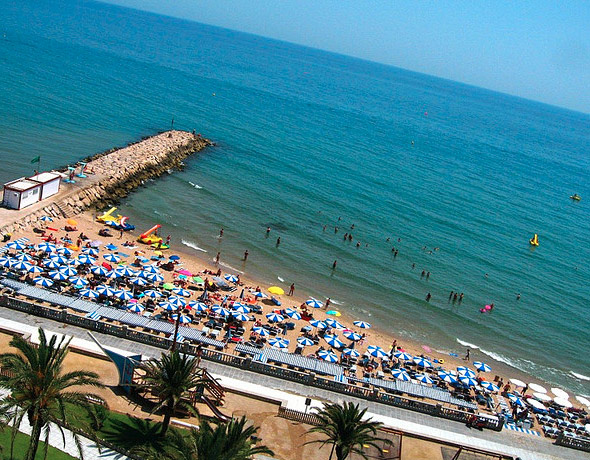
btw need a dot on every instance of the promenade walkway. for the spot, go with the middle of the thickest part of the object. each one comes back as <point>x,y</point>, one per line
<point>293,395</point>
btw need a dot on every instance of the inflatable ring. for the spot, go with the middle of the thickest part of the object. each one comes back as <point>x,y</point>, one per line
<point>441,361</point>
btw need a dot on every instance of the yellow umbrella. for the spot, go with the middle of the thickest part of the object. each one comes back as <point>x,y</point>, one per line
<point>71,222</point>
<point>276,290</point>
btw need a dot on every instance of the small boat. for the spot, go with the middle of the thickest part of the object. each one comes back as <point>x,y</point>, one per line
<point>534,240</point>
<point>576,197</point>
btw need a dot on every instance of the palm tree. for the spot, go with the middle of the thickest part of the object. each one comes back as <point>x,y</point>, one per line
<point>170,379</point>
<point>345,429</point>
<point>41,390</point>
<point>227,441</point>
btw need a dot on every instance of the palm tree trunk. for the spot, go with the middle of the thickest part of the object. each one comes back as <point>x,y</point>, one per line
<point>35,436</point>
<point>167,415</point>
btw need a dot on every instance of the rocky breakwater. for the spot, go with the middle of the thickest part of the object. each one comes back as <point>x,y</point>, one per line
<point>112,175</point>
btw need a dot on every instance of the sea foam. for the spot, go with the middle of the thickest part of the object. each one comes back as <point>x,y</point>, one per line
<point>190,244</point>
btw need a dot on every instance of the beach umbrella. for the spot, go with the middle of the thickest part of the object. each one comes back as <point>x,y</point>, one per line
<point>68,271</point>
<point>241,316</point>
<point>105,290</point>
<point>65,251</point>
<point>155,277</point>
<point>113,275</point>
<point>59,258</point>
<point>362,324</point>
<point>446,377</point>
<point>422,362</point>
<point>317,323</point>
<point>168,306</point>
<point>89,293</point>
<point>231,278</point>
<point>57,275</point>
<point>467,372</point>
<point>351,352</point>
<point>314,303</point>
<point>21,265</point>
<point>123,294</point>
<point>377,352</point>
<point>333,341</point>
<point>583,400</point>
<point>90,251</point>
<point>536,404</point>
<point>292,314</point>
<point>50,263</point>
<point>518,383</point>
<point>423,378</point>
<point>560,393</point>
<point>278,343</point>
<point>151,268</point>
<point>174,257</point>
<point>46,219</point>
<point>261,331</point>
<point>400,374</point>
<point>17,245</point>
<point>403,355</point>
<point>111,247</point>
<point>220,310</point>
<point>563,402</point>
<point>35,269</point>
<point>126,271</point>
<point>351,335</point>
<point>135,307</point>
<point>138,281</point>
<point>112,258</point>
<point>198,306</point>
<point>305,342</point>
<point>44,282</point>
<point>334,323</point>
<point>274,317</point>
<point>328,356</point>
<point>276,290</point>
<point>183,319</point>
<point>5,261</point>
<point>260,295</point>
<point>152,294</point>
<point>73,262</point>
<point>46,247</point>
<point>489,386</point>
<point>86,259</point>
<point>542,397</point>
<point>177,301</point>
<point>78,281</point>
<point>98,270</point>
<point>538,388</point>
<point>168,286</point>
<point>467,381</point>
<point>482,367</point>
<point>23,256</point>
<point>240,307</point>
<point>182,292</point>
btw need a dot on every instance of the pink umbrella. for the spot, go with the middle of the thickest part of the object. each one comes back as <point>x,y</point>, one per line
<point>184,272</point>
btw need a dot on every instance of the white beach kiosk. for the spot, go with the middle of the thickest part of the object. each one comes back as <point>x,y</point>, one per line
<point>26,191</point>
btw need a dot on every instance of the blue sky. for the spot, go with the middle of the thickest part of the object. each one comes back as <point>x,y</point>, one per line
<point>539,50</point>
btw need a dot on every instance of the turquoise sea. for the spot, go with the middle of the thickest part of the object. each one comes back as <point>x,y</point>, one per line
<point>306,137</point>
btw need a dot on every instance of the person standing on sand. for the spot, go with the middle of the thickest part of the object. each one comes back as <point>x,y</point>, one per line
<point>168,241</point>
<point>467,355</point>
<point>291,289</point>
<point>328,302</point>
<point>217,258</point>
<point>120,233</point>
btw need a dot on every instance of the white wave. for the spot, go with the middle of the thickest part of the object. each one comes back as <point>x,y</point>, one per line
<point>280,279</point>
<point>197,186</point>
<point>467,344</point>
<point>336,302</point>
<point>502,359</point>
<point>579,376</point>
<point>190,244</point>
<point>230,268</point>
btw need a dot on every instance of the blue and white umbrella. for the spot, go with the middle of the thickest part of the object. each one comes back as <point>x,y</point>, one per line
<point>78,281</point>
<point>16,245</point>
<point>65,251</point>
<point>489,386</point>
<point>423,378</point>
<point>72,262</point>
<point>260,295</point>
<point>168,306</point>
<point>351,335</point>
<point>35,269</point>
<point>422,362</point>
<point>86,259</point>
<point>183,319</point>
<point>362,324</point>
<point>317,323</point>
<point>221,311</point>
<point>516,400</point>
<point>68,271</point>
<point>198,306</point>
<point>467,381</point>
<point>462,370</point>
<point>177,301</point>
<point>241,317</point>
<point>90,251</point>
<point>51,263</point>
<point>231,278</point>
<point>151,269</point>
<point>5,261</point>
<point>23,256</point>
<point>89,293</point>
<point>403,355</point>
<point>274,317</point>
<point>126,271</point>
<point>351,352</point>
<point>138,281</point>
<point>105,290</point>
<point>174,257</point>
<point>333,341</point>
<point>482,367</point>
<point>98,270</point>
<point>278,343</point>
<point>262,332</point>
<point>42,281</point>
<point>21,265</point>
<point>293,314</point>
<point>328,356</point>
<point>57,275</point>
<point>335,324</point>
<point>59,258</point>
<point>155,277</point>
<point>446,377</point>
<point>112,258</point>
<point>305,341</point>
<point>113,274</point>
<point>240,307</point>
<point>123,294</point>
<point>47,247</point>
<point>400,374</point>
<point>182,292</point>
<point>377,352</point>
<point>152,294</point>
<point>314,303</point>
<point>135,307</point>
<point>46,219</point>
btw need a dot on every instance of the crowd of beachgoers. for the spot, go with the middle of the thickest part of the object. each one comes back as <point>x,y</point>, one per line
<point>113,269</point>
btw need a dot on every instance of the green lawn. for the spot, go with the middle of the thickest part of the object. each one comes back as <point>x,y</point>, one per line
<point>21,443</point>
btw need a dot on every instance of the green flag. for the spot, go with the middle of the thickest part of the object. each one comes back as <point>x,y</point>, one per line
<point>36,159</point>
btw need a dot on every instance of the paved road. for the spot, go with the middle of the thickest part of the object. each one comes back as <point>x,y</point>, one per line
<point>542,447</point>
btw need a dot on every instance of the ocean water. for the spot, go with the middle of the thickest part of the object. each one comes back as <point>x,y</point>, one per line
<point>307,138</point>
